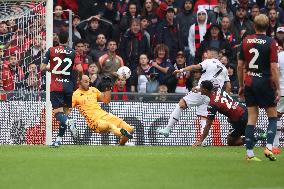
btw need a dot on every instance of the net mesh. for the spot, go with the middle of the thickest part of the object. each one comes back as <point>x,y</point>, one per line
<point>22,43</point>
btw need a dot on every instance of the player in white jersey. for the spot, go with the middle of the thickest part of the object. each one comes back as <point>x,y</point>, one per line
<point>213,70</point>
<point>280,105</point>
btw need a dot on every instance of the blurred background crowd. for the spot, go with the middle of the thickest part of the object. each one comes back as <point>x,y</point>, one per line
<point>152,37</point>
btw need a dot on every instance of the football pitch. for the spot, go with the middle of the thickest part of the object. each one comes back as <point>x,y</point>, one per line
<point>145,167</point>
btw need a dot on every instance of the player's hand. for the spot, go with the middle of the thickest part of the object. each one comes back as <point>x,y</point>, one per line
<point>195,89</point>
<point>241,93</point>
<point>278,96</point>
<point>198,143</point>
<point>177,72</point>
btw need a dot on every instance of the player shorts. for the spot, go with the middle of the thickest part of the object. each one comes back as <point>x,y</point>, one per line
<point>102,124</point>
<point>61,99</point>
<point>260,94</point>
<point>239,127</point>
<point>280,105</point>
<point>193,99</point>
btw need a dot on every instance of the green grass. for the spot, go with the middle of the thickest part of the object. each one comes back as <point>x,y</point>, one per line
<point>145,167</point>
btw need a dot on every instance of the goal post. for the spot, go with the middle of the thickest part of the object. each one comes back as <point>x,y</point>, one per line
<point>49,43</point>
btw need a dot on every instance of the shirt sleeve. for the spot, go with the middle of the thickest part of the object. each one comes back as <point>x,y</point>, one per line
<point>273,52</point>
<point>203,65</point>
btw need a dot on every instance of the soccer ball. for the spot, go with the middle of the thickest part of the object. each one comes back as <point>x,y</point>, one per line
<point>123,72</point>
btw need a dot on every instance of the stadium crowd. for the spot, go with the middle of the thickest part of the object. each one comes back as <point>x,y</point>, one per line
<point>152,37</point>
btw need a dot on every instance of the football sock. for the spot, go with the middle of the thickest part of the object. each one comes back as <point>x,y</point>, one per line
<point>271,131</point>
<point>203,124</point>
<point>174,117</point>
<point>123,140</point>
<point>62,118</point>
<point>249,137</point>
<point>250,153</point>
<point>278,133</point>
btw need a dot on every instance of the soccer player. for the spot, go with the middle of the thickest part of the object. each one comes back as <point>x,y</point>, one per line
<point>259,85</point>
<point>280,105</point>
<point>86,98</point>
<point>222,102</point>
<point>61,61</point>
<point>212,69</point>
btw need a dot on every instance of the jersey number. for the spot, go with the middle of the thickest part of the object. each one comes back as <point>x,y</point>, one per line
<point>254,58</point>
<point>225,99</point>
<point>220,69</point>
<point>59,62</point>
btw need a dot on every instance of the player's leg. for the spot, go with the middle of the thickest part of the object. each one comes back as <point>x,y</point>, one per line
<point>57,101</point>
<point>280,111</point>
<point>202,113</point>
<point>190,100</point>
<point>249,132</point>
<point>67,109</point>
<point>271,131</point>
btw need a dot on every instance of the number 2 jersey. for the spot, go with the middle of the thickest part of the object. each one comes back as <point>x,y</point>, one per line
<point>61,60</point>
<point>222,102</point>
<point>215,71</point>
<point>258,51</point>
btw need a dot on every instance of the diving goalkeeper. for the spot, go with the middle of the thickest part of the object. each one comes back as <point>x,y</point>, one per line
<point>86,98</point>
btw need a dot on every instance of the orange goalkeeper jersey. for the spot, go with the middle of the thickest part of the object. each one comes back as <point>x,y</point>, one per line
<point>87,104</point>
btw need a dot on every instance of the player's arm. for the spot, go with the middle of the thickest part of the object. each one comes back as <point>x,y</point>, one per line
<point>189,68</point>
<point>228,87</point>
<point>44,65</point>
<point>105,97</point>
<point>274,69</point>
<point>205,132</point>
<point>240,72</point>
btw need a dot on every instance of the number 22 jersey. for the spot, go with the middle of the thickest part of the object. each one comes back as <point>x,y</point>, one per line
<point>61,60</point>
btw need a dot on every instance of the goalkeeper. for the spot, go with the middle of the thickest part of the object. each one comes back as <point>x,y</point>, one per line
<point>86,98</point>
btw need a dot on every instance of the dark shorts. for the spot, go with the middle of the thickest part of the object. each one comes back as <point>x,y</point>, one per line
<point>239,127</point>
<point>61,99</point>
<point>260,93</point>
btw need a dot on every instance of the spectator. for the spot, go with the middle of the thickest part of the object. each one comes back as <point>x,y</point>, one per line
<point>214,38</point>
<point>120,86</point>
<point>82,57</point>
<point>162,90</point>
<point>128,16</point>
<point>241,25</point>
<point>233,79</point>
<point>144,25</point>
<point>144,70</point>
<point>5,35</point>
<point>93,73</point>
<point>280,34</point>
<point>162,8</point>
<point>58,19</point>
<point>182,78</point>
<point>224,60</point>
<point>67,4</point>
<point>223,10</point>
<point>255,11</point>
<point>273,23</point>
<point>90,28</point>
<point>197,31</point>
<point>133,44</point>
<point>100,48</point>
<point>76,34</point>
<point>12,74</point>
<point>271,4</point>
<point>110,62</point>
<point>164,67</point>
<point>185,19</point>
<point>225,28</point>
<point>148,11</point>
<point>169,33</point>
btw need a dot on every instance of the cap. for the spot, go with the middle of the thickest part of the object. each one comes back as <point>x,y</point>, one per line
<point>76,16</point>
<point>180,53</point>
<point>280,29</point>
<point>170,9</point>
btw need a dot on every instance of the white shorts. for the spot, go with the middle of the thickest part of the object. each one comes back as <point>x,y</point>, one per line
<point>280,105</point>
<point>193,99</point>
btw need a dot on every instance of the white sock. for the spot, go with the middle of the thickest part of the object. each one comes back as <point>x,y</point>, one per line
<point>269,146</point>
<point>174,117</point>
<point>277,135</point>
<point>58,139</point>
<point>203,124</point>
<point>250,153</point>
